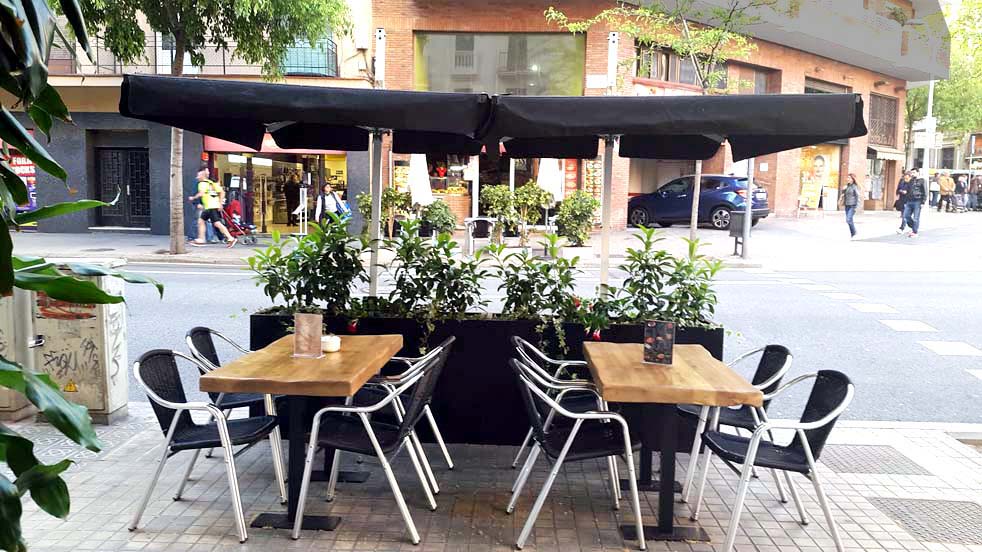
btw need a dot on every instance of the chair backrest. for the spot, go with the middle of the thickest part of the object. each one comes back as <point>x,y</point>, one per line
<point>830,394</point>
<point>203,346</point>
<point>157,372</point>
<point>774,360</point>
<point>534,406</point>
<point>480,228</point>
<point>422,392</point>
<point>534,358</point>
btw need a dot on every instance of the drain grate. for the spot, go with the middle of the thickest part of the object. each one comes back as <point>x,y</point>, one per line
<point>872,459</point>
<point>935,520</point>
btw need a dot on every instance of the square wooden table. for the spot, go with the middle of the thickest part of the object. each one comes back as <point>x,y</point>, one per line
<point>273,370</point>
<point>694,377</point>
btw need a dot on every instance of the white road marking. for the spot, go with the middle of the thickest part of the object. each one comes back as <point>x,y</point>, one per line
<point>195,273</point>
<point>873,307</point>
<point>758,271</point>
<point>746,282</point>
<point>819,287</point>
<point>976,373</point>
<point>908,326</point>
<point>844,296</point>
<point>800,281</point>
<point>951,348</point>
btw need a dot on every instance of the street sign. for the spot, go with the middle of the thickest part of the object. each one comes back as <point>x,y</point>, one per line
<point>928,140</point>
<point>928,124</point>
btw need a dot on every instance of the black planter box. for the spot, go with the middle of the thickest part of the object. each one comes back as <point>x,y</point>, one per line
<point>476,400</point>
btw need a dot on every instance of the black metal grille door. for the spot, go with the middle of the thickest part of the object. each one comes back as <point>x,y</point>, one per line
<point>125,172</point>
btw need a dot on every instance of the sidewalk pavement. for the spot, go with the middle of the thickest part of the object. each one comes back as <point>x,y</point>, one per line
<point>816,242</point>
<point>897,488</point>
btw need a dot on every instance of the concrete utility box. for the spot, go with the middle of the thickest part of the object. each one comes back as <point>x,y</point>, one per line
<point>84,347</point>
<point>14,346</point>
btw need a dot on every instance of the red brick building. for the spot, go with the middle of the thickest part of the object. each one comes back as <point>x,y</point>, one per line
<point>823,46</point>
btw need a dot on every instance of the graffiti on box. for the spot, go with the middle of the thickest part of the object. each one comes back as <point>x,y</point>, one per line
<point>56,309</point>
<point>72,360</point>
<point>117,340</point>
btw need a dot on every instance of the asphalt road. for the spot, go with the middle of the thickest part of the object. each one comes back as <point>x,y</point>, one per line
<point>897,378</point>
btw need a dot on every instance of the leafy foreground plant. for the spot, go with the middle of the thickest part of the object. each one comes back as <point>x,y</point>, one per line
<point>28,29</point>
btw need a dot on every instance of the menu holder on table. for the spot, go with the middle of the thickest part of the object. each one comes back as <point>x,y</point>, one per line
<point>659,342</point>
<point>307,330</point>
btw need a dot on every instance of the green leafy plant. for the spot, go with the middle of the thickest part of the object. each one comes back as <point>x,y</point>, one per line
<point>530,199</point>
<point>692,301</point>
<point>394,203</point>
<point>438,217</point>
<point>29,29</point>
<point>317,269</point>
<point>499,202</point>
<point>574,218</point>
<point>648,269</point>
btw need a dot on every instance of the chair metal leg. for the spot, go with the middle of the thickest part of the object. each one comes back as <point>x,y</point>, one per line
<point>734,526</point>
<point>823,501</point>
<point>308,466</point>
<point>617,478</point>
<point>400,501</point>
<point>690,473</point>
<point>276,444</point>
<point>635,498</point>
<point>777,480</point>
<point>521,449</point>
<point>796,498</point>
<point>187,475</point>
<point>153,481</point>
<point>414,458</point>
<point>523,477</point>
<point>712,424</point>
<point>425,461</point>
<point>541,499</point>
<point>614,484</point>
<point>438,436</point>
<point>332,478</point>
<point>233,481</point>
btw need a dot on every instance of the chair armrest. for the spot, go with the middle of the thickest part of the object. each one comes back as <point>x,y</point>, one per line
<point>744,356</point>
<point>591,390</point>
<point>805,426</point>
<point>391,396</point>
<point>790,384</point>
<point>228,340</point>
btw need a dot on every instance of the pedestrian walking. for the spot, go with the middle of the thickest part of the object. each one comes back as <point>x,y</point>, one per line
<point>974,189</point>
<point>961,193</point>
<point>212,197</point>
<point>947,192</point>
<point>935,189</point>
<point>327,202</point>
<point>915,198</point>
<point>850,201</point>
<point>291,191</point>
<point>903,188</point>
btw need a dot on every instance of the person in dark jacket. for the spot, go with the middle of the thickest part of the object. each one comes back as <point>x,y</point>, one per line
<point>850,201</point>
<point>903,188</point>
<point>914,199</point>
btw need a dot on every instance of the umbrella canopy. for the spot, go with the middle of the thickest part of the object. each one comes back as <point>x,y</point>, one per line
<point>674,127</point>
<point>419,180</point>
<point>308,116</point>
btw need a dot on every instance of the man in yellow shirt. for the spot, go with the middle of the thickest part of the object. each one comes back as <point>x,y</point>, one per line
<point>947,191</point>
<point>212,197</point>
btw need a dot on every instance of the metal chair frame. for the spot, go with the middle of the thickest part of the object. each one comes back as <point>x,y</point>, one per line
<point>208,366</point>
<point>222,424</point>
<point>704,416</point>
<point>531,378</point>
<point>363,412</point>
<point>766,427</point>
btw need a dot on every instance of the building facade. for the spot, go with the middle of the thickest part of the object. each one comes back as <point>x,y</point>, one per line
<point>870,47</point>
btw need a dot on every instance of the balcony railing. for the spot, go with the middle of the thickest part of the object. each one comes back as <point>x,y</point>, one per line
<point>321,60</point>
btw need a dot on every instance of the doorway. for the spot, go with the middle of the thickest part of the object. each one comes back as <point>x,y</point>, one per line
<point>124,172</point>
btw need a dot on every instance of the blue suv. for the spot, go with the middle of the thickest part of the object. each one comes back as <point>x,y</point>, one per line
<point>672,203</point>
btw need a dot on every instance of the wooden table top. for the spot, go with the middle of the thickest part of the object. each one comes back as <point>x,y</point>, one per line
<point>695,377</point>
<point>274,370</point>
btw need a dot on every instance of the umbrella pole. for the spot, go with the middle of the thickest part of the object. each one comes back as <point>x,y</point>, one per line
<point>374,224</point>
<point>605,209</point>
<point>749,206</point>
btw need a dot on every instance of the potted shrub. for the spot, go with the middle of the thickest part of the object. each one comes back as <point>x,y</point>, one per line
<point>530,199</point>
<point>394,205</point>
<point>436,218</point>
<point>499,202</point>
<point>574,219</point>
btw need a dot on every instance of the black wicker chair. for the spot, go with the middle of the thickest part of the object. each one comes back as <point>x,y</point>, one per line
<point>350,429</point>
<point>202,347</point>
<point>830,396</point>
<point>592,435</point>
<point>774,363</point>
<point>158,374</point>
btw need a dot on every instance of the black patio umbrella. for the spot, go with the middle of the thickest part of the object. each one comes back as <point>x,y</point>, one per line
<point>670,127</point>
<point>313,117</point>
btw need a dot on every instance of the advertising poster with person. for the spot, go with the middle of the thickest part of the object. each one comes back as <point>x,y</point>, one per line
<point>819,174</point>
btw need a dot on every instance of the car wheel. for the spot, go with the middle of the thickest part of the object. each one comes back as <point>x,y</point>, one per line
<point>753,222</point>
<point>720,218</point>
<point>665,224</point>
<point>639,217</point>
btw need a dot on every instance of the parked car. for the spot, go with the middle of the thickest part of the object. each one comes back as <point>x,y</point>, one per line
<point>672,203</point>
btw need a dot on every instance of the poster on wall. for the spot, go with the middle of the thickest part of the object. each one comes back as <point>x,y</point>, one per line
<point>819,171</point>
<point>25,169</point>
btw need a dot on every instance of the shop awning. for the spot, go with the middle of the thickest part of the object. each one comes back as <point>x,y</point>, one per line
<point>217,145</point>
<point>307,117</point>
<point>883,152</point>
<point>676,127</point>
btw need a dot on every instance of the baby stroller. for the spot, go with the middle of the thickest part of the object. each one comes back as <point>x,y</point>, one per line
<point>958,203</point>
<point>232,217</point>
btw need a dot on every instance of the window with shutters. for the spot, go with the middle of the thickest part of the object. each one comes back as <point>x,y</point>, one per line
<point>883,120</point>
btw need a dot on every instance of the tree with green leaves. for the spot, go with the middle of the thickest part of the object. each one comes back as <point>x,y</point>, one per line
<point>28,29</point>
<point>958,99</point>
<point>672,26</point>
<point>257,31</point>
